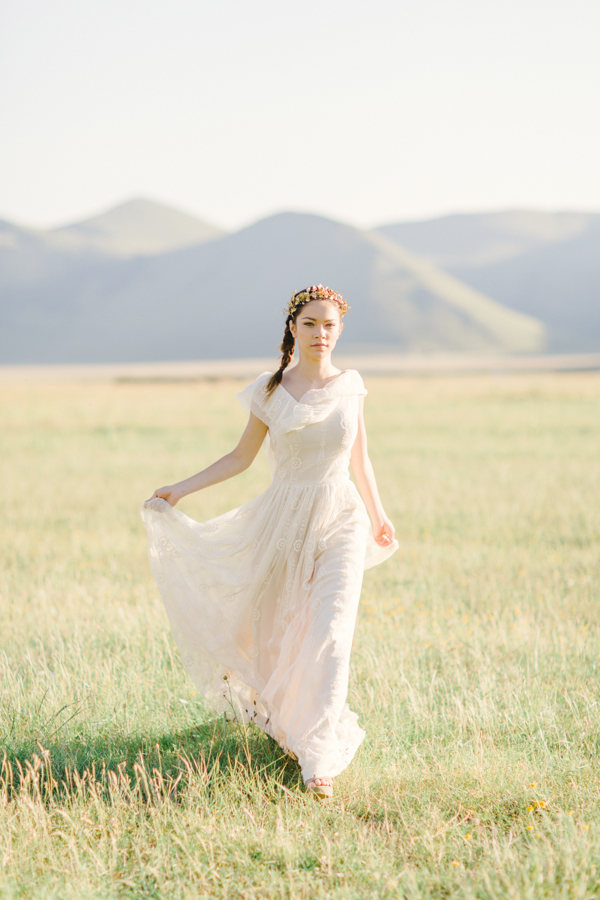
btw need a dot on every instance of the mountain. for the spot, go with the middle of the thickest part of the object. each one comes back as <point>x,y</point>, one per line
<point>546,265</point>
<point>222,299</point>
<point>558,283</point>
<point>30,259</point>
<point>482,239</point>
<point>41,260</point>
<point>137,227</point>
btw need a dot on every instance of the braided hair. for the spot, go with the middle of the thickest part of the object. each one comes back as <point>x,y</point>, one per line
<point>287,352</point>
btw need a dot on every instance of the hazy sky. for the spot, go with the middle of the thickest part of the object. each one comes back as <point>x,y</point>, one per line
<point>369,112</point>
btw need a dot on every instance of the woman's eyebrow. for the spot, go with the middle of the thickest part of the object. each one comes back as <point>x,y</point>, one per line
<point>312,319</point>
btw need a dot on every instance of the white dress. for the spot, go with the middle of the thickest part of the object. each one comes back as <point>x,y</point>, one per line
<point>263,600</point>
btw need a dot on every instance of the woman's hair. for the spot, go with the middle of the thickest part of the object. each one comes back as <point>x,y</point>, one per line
<point>300,299</point>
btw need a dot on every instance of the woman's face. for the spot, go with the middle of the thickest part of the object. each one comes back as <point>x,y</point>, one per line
<point>317,327</point>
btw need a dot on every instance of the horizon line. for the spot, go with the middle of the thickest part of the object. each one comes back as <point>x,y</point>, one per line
<point>298,211</point>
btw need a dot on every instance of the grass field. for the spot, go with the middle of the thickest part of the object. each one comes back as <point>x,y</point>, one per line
<point>475,662</point>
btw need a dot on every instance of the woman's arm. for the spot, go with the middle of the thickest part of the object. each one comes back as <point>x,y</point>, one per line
<point>232,464</point>
<point>383,530</point>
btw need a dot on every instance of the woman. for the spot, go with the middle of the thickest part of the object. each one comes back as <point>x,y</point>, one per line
<point>263,599</point>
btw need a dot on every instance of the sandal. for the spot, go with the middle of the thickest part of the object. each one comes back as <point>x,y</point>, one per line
<point>320,791</point>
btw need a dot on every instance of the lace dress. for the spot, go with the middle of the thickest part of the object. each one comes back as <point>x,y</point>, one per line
<point>263,600</point>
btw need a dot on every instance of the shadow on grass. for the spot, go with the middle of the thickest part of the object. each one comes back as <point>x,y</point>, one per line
<point>155,765</point>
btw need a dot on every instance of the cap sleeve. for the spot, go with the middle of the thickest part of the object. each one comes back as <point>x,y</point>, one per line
<point>358,385</point>
<point>248,397</point>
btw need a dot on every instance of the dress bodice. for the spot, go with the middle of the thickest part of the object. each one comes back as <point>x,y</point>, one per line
<point>310,440</point>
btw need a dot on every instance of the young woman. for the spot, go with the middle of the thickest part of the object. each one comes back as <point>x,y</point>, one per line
<point>263,599</point>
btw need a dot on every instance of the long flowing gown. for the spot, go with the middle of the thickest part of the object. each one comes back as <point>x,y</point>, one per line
<point>263,600</point>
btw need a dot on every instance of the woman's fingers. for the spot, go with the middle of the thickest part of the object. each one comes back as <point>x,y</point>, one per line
<point>386,535</point>
<point>164,494</point>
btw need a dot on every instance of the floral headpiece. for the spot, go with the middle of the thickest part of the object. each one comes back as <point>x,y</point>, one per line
<point>315,292</point>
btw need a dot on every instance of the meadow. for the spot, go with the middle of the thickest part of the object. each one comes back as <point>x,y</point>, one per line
<point>474,669</point>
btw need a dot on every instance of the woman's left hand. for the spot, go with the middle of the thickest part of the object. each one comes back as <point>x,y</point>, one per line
<point>383,533</point>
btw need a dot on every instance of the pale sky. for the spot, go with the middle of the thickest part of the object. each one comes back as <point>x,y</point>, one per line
<point>368,111</point>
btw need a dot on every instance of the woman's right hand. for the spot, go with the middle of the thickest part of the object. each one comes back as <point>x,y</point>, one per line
<point>168,493</point>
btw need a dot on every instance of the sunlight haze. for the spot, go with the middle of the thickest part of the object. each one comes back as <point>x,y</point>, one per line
<point>365,112</point>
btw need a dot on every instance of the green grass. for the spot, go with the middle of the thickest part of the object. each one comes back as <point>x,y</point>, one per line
<point>474,671</point>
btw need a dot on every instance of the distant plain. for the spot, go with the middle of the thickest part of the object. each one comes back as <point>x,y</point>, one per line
<point>474,670</point>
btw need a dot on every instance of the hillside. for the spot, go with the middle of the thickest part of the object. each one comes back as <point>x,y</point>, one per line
<point>558,283</point>
<point>137,227</point>
<point>543,264</point>
<point>223,299</point>
<point>482,239</point>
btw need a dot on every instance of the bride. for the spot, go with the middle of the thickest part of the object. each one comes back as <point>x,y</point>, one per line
<point>263,600</point>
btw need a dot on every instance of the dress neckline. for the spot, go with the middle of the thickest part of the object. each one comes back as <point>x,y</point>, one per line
<point>310,390</point>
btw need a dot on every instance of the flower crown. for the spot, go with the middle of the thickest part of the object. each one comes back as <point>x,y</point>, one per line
<point>315,292</point>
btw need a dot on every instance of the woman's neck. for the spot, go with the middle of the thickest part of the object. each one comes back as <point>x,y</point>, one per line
<point>315,370</point>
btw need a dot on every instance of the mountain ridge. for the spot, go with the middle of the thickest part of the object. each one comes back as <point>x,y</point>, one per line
<point>182,303</point>
<point>111,287</point>
<point>137,227</point>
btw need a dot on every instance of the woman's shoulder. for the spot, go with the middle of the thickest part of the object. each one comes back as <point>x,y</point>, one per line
<point>352,382</point>
<point>260,382</point>
<point>251,392</point>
